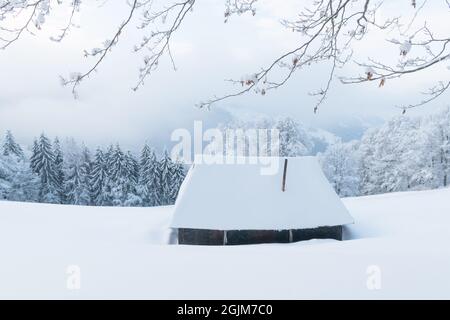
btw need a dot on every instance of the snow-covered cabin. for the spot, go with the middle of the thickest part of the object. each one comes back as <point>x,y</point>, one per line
<point>232,204</point>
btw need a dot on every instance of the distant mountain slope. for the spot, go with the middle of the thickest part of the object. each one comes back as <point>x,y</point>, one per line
<point>351,128</point>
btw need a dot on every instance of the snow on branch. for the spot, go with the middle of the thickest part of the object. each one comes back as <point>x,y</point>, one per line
<point>158,25</point>
<point>432,94</point>
<point>158,41</point>
<point>239,7</point>
<point>328,29</point>
<point>76,77</point>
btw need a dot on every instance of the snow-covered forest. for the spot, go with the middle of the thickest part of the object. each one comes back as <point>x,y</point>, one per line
<point>405,153</point>
<point>52,172</point>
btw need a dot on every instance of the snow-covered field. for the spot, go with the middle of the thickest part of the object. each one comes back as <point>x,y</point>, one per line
<point>124,253</point>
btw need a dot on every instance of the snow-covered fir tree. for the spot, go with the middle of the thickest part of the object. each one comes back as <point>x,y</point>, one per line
<point>85,172</point>
<point>44,166</point>
<point>123,178</point>
<point>34,156</point>
<point>133,199</point>
<point>17,181</point>
<point>109,154</point>
<point>165,171</point>
<point>76,190</point>
<point>11,147</point>
<point>132,167</point>
<point>25,184</point>
<point>117,163</point>
<point>99,180</point>
<point>177,176</point>
<point>59,169</point>
<point>149,182</point>
<point>5,177</point>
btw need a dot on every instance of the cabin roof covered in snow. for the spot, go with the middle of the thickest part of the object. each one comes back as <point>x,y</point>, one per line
<point>239,197</point>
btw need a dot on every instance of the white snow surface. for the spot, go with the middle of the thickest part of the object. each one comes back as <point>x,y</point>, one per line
<point>239,197</point>
<point>124,253</point>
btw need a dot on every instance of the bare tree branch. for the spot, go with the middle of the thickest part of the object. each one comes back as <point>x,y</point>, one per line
<point>328,30</point>
<point>76,78</point>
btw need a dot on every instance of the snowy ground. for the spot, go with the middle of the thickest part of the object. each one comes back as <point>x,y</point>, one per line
<point>123,253</point>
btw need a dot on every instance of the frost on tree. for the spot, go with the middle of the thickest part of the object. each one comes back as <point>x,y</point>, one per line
<point>99,180</point>
<point>78,187</point>
<point>59,168</point>
<point>5,173</point>
<point>294,139</point>
<point>149,182</point>
<point>17,181</point>
<point>123,178</point>
<point>340,165</point>
<point>67,173</point>
<point>43,163</point>
<point>328,33</point>
<point>11,147</point>
<point>165,169</point>
<point>405,153</point>
<point>75,188</point>
<point>177,177</point>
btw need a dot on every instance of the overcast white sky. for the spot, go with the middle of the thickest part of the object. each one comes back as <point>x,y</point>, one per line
<point>206,51</point>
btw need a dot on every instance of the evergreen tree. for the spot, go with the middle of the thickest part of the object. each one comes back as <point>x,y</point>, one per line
<point>177,177</point>
<point>24,183</point>
<point>76,190</point>
<point>109,156</point>
<point>85,174</point>
<point>34,157</point>
<point>45,167</point>
<point>149,178</point>
<point>123,178</point>
<point>132,166</point>
<point>143,177</point>
<point>10,147</point>
<point>99,180</point>
<point>132,169</point>
<point>17,180</point>
<point>59,171</point>
<point>5,177</point>
<point>117,164</point>
<point>165,171</point>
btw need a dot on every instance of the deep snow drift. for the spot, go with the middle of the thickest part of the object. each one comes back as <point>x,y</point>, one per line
<point>123,253</point>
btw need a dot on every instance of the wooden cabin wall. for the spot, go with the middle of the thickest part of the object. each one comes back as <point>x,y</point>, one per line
<point>334,232</point>
<point>200,237</point>
<point>239,237</point>
<point>236,237</point>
